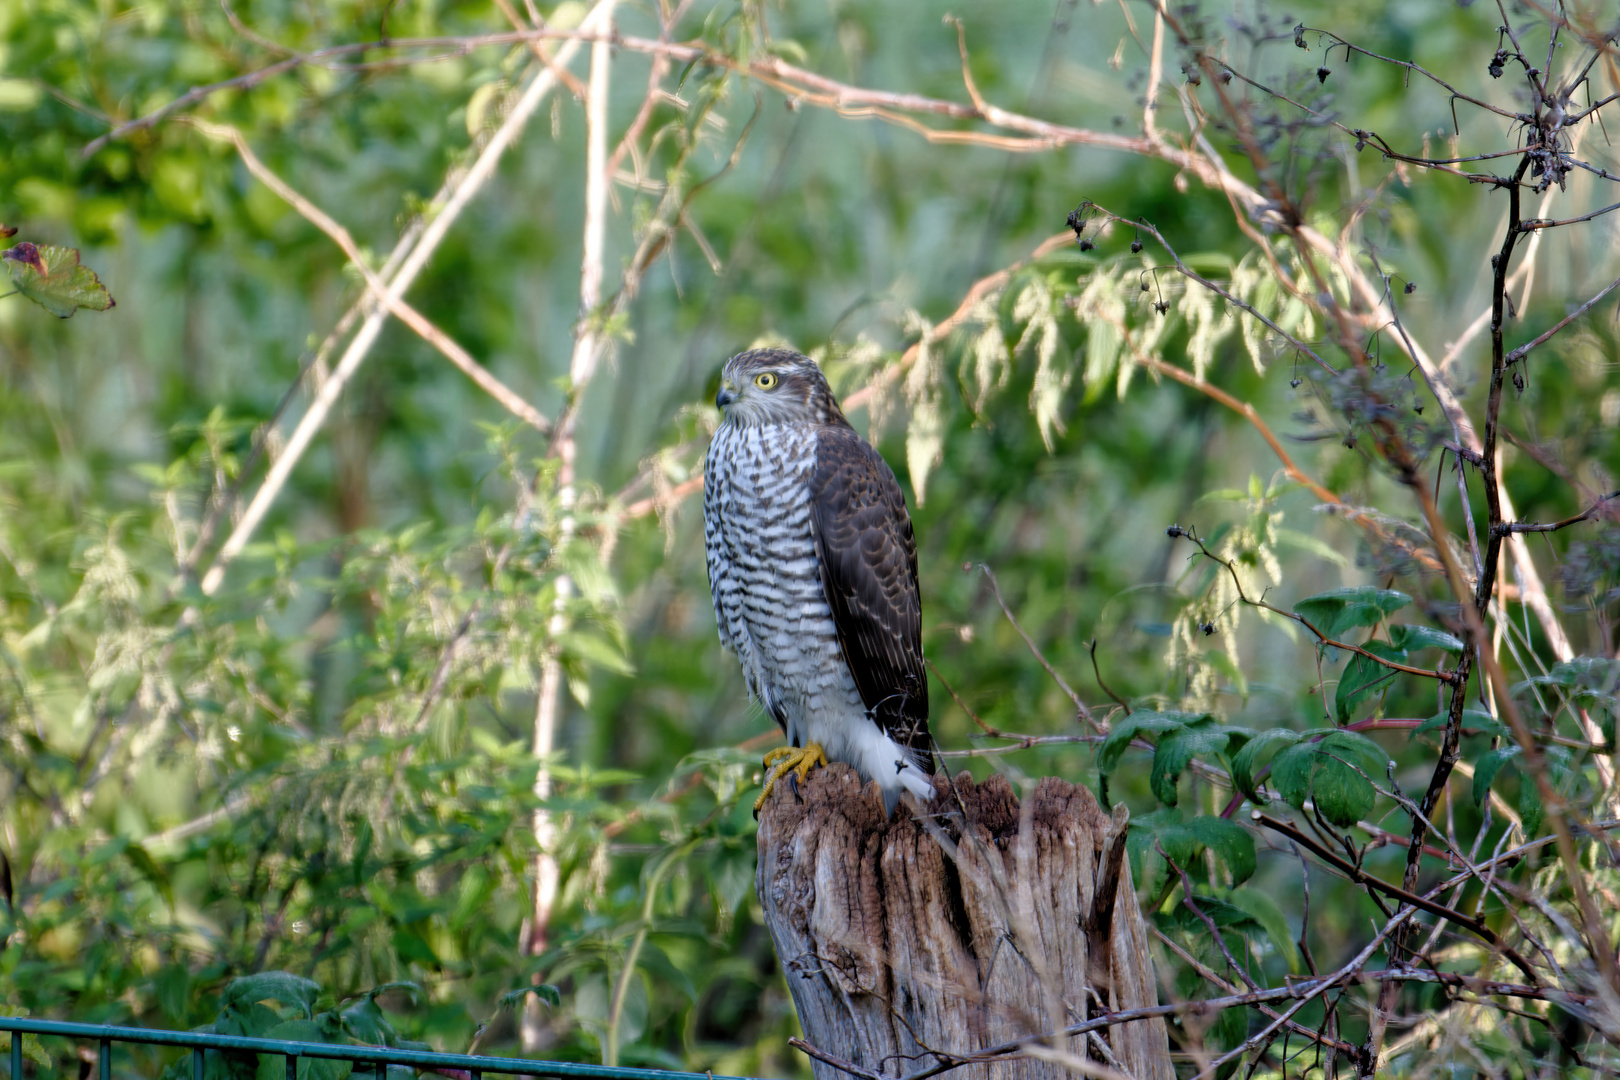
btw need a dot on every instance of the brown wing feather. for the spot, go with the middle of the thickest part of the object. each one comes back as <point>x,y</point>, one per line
<point>868,561</point>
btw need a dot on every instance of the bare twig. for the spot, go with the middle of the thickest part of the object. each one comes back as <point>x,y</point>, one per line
<point>1082,712</point>
<point>509,399</point>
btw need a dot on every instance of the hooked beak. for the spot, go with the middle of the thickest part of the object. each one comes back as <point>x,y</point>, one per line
<point>726,395</point>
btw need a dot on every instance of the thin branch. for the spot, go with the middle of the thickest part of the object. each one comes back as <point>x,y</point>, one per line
<point>509,399</point>
<point>1588,514</point>
<point>1443,676</point>
<point>1081,710</point>
<point>1361,877</point>
<point>1519,353</point>
<point>326,398</point>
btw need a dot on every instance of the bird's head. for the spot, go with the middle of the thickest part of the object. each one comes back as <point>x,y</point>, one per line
<point>775,386</point>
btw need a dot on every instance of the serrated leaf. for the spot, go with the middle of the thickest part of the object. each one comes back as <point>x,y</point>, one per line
<point>282,986</point>
<point>32,1048</point>
<point>1334,773</point>
<point>1176,748</point>
<point>1363,676</point>
<point>1412,638</point>
<point>1341,609</point>
<point>1594,672</point>
<point>51,277</point>
<point>1248,761</point>
<point>1140,722</point>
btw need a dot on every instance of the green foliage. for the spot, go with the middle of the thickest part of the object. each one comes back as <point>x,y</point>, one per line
<point>32,1049</point>
<point>1336,770</point>
<point>1182,842</point>
<point>1364,675</point>
<point>52,278</point>
<point>1334,612</point>
<point>281,1005</point>
<point>324,768</point>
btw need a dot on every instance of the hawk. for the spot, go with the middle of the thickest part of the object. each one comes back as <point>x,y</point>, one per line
<point>813,569</point>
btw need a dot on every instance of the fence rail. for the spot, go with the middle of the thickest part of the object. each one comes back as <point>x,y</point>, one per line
<point>381,1056</point>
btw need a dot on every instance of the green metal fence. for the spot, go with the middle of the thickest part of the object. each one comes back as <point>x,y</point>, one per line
<point>379,1057</point>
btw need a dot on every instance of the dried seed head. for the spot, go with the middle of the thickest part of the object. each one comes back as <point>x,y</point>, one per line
<point>1294,382</point>
<point>1411,287</point>
<point>1321,74</point>
<point>1136,247</point>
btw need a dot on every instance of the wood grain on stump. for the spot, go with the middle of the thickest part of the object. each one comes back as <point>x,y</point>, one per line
<point>973,926</point>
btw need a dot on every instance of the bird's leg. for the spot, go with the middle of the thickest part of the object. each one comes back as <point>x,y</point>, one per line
<point>789,759</point>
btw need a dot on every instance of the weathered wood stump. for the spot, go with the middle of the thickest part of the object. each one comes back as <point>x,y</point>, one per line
<point>976,925</point>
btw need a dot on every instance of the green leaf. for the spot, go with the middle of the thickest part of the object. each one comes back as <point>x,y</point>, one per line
<point>1147,865</point>
<point>1412,638</point>
<point>1489,764</point>
<point>1590,672</point>
<point>1225,915</point>
<point>51,277</point>
<point>282,986</point>
<point>1530,808</point>
<point>1247,762</point>
<point>1140,722</point>
<point>32,1048</point>
<point>1334,612</point>
<point>1231,843</point>
<point>1265,911</point>
<point>1334,773</point>
<point>1364,676</point>
<point>1178,747</point>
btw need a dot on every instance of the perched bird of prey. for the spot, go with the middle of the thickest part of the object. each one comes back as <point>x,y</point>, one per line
<point>813,568</point>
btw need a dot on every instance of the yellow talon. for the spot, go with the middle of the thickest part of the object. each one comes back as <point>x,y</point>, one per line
<point>786,759</point>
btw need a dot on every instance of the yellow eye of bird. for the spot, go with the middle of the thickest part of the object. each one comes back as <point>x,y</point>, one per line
<point>765,380</point>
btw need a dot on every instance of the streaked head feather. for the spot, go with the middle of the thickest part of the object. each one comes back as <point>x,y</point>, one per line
<point>776,386</point>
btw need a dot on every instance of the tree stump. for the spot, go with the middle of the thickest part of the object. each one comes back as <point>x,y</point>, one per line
<point>974,925</point>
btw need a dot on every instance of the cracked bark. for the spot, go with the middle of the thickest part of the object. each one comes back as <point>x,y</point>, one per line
<point>982,923</point>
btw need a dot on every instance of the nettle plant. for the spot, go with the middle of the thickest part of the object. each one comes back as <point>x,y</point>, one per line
<point>1503,904</point>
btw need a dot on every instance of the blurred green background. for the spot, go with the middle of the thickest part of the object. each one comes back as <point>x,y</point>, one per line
<point>270,783</point>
